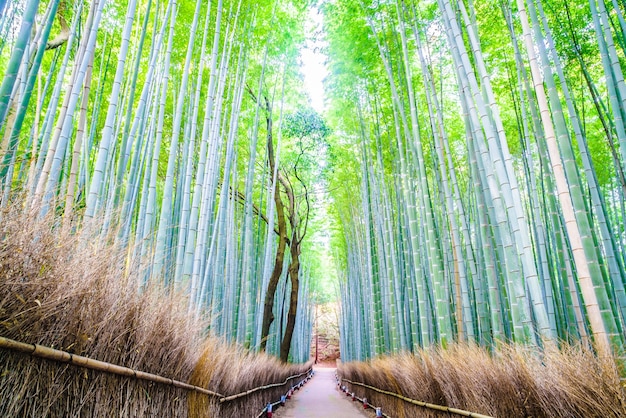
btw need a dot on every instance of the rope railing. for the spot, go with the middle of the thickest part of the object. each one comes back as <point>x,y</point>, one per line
<point>419,403</point>
<point>52,354</point>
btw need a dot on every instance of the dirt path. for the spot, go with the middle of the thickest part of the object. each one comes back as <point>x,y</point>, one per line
<point>321,398</point>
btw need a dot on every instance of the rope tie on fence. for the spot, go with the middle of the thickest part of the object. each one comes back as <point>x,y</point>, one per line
<point>416,402</point>
<point>52,354</point>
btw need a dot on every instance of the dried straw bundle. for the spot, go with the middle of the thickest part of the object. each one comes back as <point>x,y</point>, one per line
<point>512,382</point>
<point>58,291</point>
<point>235,371</point>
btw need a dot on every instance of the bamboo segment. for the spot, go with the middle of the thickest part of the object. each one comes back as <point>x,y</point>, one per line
<point>16,58</point>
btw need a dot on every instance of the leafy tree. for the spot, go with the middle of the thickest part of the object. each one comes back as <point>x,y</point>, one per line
<point>293,208</point>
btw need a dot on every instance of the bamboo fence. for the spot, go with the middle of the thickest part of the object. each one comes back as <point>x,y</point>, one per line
<point>419,403</point>
<point>52,354</point>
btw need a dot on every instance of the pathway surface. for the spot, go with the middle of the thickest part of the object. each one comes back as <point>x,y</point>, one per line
<point>320,397</point>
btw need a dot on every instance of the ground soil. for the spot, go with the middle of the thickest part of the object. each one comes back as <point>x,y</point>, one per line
<point>320,397</point>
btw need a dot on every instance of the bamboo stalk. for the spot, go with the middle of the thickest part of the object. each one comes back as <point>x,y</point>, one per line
<point>420,403</point>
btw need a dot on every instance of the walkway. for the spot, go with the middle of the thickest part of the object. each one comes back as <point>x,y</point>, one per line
<point>321,398</point>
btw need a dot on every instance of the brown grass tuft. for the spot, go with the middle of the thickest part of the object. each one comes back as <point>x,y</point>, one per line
<point>58,291</point>
<point>514,381</point>
<point>229,371</point>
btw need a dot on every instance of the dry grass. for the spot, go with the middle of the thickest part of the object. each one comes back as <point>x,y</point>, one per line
<point>234,371</point>
<point>513,382</point>
<point>57,291</point>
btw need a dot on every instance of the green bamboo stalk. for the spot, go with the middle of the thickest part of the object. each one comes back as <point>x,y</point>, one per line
<point>17,54</point>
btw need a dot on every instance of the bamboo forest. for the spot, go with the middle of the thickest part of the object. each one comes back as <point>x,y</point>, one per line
<point>206,204</point>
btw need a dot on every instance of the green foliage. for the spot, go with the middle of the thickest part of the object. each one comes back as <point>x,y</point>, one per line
<point>306,123</point>
<point>428,180</point>
<point>372,134</point>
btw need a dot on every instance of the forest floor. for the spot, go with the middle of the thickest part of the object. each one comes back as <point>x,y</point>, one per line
<point>321,398</point>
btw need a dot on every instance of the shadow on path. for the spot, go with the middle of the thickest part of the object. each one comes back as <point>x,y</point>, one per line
<point>321,398</point>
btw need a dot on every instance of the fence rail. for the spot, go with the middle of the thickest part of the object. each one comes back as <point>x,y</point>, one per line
<point>273,385</point>
<point>420,403</point>
<point>269,408</point>
<point>48,353</point>
<point>52,354</point>
<point>363,400</point>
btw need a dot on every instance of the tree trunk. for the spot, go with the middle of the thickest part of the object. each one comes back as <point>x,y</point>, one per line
<point>268,306</point>
<point>268,315</point>
<point>294,272</point>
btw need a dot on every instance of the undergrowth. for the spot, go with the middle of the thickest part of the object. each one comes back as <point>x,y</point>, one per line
<point>513,381</point>
<point>59,290</point>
